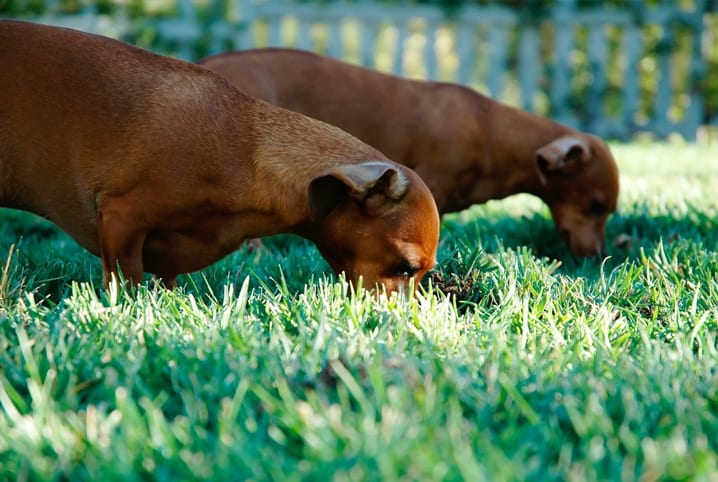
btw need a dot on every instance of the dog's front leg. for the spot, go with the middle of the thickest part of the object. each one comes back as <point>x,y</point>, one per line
<point>121,244</point>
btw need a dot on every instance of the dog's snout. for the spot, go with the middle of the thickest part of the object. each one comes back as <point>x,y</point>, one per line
<point>582,243</point>
<point>591,249</point>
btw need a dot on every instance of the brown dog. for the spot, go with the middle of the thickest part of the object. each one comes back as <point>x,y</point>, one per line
<point>467,147</point>
<point>162,166</point>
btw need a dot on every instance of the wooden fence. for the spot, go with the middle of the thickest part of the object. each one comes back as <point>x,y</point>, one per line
<point>611,71</point>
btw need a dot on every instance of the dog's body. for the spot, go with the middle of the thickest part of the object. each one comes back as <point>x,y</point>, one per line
<point>467,147</point>
<point>161,166</point>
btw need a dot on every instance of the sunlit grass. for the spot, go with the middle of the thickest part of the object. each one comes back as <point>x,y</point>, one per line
<point>514,362</point>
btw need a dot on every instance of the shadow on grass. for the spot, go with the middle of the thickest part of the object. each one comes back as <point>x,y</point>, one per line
<point>626,235</point>
<point>46,260</point>
<point>470,243</point>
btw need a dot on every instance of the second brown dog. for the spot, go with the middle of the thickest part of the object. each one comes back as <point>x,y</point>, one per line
<point>467,147</point>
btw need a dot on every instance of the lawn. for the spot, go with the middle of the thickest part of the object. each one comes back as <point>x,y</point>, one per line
<point>513,362</point>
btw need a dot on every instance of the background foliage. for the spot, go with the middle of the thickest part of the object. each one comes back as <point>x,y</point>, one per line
<point>145,34</point>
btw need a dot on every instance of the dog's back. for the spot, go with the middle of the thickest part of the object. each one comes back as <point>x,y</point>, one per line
<point>385,111</point>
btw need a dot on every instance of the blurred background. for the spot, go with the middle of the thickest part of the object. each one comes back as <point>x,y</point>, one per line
<point>621,69</point>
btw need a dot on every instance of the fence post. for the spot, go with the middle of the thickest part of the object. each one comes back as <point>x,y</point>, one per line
<point>563,41</point>
<point>465,39</point>
<point>694,112</point>
<point>596,54</point>
<point>401,36</point>
<point>335,43</point>
<point>528,69</point>
<point>498,35</point>
<point>631,90</point>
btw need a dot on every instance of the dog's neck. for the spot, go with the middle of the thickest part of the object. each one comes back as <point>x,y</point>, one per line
<point>283,168</point>
<point>507,141</point>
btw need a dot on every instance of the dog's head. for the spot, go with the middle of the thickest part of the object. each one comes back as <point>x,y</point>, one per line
<point>374,220</point>
<point>579,181</point>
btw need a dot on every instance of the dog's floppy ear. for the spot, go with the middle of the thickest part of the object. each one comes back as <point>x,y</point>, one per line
<point>371,183</point>
<point>565,154</point>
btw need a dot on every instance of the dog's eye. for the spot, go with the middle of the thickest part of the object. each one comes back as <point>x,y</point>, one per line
<point>406,269</point>
<point>598,208</point>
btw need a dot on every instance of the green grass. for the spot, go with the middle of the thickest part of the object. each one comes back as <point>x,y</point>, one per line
<point>535,366</point>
